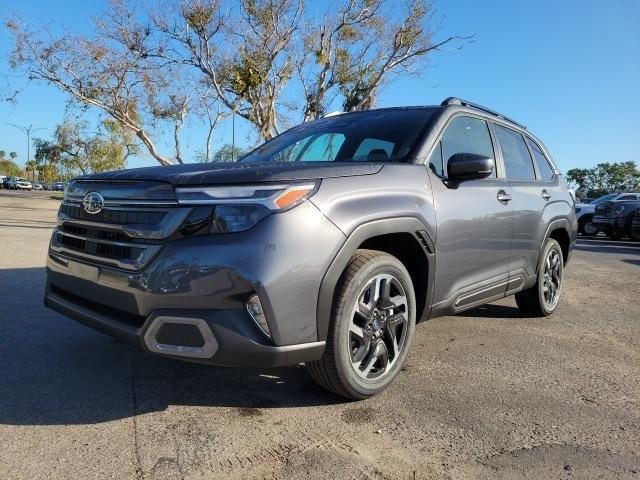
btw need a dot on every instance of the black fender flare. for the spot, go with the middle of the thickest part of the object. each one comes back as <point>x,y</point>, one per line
<point>362,232</point>
<point>564,224</point>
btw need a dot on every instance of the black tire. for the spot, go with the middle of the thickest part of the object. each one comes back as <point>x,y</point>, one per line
<point>586,226</point>
<point>533,301</point>
<point>335,370</point>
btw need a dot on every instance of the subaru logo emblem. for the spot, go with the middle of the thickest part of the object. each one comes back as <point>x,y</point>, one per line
<point>93,203</point>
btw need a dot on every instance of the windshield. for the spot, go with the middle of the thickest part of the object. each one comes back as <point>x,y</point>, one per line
<point>21,179</point>
<point>370,136</point>
<point>604,198</point>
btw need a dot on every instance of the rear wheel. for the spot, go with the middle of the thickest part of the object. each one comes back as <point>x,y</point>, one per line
<point>542,299</point>
<point>370,329</point>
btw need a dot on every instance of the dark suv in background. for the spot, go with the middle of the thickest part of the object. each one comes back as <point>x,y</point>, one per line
<point>615,218</point>
<point>325,245</point>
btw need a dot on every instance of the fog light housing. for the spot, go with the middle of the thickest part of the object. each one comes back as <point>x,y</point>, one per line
<point>254,308</point>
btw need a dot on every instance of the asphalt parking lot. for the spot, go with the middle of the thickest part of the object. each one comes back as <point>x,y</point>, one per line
<point>485,394</point>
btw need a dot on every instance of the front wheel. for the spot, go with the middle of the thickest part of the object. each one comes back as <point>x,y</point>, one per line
<point>542,299</point>
<point>587,227</point>
<point>371,326</point>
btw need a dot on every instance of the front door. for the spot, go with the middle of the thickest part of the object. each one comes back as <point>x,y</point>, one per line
<point>474,222</point>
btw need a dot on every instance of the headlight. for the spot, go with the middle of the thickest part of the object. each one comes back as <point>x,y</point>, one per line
<point>236,218</point>
<point>236,209</point>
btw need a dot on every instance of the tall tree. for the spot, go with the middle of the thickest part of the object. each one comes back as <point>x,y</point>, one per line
<point>266,61</point>
<point>9,167</point>
<point>250,74</point>
<point>605,178</point>
<point>31,166</point>
<point>361,46</point>
<point>228,153</point>
<point>74,149</point>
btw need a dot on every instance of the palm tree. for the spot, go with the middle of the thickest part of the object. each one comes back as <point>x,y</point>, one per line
<point>31,166</point>
<point>13,156</point>
<point>2,154</point>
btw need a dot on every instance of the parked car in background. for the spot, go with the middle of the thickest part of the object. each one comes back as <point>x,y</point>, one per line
<point>585,211</point>
<point>615,217</point>
<point>634,233</point>
<point>57,186</point>
<point>320,245</point>
<point>37,186</point>
<point>3,181</point>
<point>19,183</point>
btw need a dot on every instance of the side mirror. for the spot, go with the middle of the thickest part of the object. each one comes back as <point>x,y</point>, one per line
<point>468,166</point>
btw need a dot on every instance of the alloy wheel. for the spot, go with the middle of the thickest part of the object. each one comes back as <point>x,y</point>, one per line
<point>552,278</point>
<point>590,228</point>
<point>378,326</point>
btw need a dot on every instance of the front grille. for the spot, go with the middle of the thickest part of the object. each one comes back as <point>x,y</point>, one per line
<point>96,233</point>
<point>604,209</point>
<point>635,225</point>
<point>99,249</point>
<point>136,220</point>
<point>120,217</point>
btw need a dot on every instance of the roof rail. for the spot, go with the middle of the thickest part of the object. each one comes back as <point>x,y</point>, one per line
<point>466,103</point>
<point>332,114</point>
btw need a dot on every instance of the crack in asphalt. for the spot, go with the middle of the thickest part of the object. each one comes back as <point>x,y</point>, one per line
<point>134,416</point>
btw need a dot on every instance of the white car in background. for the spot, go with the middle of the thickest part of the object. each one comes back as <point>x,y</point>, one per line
<point>19,183</point>
<point>585,211</point>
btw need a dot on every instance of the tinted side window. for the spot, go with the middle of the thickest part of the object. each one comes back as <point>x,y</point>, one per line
<point>517,160</point>
<point>544,168</point>
<point>626,197</point>
<point>467,135</point>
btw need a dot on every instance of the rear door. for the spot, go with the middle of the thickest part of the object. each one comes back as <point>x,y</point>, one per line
<point>474,227</point>
<point>533,184</point>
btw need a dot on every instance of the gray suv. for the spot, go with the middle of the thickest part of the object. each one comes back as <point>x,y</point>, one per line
<point>325,245</point>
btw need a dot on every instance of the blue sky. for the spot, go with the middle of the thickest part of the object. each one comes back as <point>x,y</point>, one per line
<point>569,70</point>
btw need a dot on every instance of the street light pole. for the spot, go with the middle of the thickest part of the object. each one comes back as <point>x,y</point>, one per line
<point>233,135</point>
<point>28,130</point>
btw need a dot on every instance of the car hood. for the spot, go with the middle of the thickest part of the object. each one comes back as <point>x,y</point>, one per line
<point>238,172</point>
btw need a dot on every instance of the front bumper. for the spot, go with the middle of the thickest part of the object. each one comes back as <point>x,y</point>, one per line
<point>610,223</point>
<point>204,281</point>
<point>228,339</point>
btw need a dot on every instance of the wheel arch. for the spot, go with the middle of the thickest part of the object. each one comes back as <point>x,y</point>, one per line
<point>401,237</point>
<point>560,230</point>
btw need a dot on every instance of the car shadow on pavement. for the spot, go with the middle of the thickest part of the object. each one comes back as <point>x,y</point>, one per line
<point>632,261</point>
<point>604,245</point>
<point>55,371</point>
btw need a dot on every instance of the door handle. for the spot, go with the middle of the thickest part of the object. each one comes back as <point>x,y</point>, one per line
<point>503,196</point>
<point>546,195</point>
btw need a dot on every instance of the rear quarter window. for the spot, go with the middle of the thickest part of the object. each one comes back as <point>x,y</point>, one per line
<point>542,162</point>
